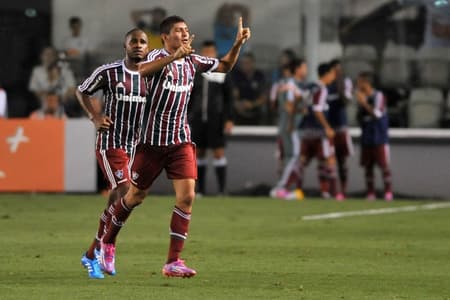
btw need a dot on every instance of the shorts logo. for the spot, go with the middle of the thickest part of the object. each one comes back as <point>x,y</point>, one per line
<point>119,174</point>
<point>134,175</point>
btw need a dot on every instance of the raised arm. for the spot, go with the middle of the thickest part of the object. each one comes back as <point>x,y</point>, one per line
<point>227,62</point>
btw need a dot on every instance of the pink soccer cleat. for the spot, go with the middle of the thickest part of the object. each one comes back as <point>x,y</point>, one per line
<point>340,197</point>
<point>388,196</point>
<point>108,252</point>
<point>178,269</point>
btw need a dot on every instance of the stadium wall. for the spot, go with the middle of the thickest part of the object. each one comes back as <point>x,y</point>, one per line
<point>58,156</point>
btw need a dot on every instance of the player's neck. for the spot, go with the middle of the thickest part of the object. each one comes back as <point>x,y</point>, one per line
<point>131,64</point>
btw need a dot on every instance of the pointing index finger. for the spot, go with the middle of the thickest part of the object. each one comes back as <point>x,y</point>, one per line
<point>240,23</point>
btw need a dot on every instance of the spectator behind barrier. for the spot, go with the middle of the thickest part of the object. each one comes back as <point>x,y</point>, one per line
<point>51,109</point>
<point>77,48</point>
<point>250,92</point>
<point>51,76</point>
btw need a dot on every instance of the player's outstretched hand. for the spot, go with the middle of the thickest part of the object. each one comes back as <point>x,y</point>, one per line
<point>185,49</point>
<point>243,33</point>
<point>102,123</point>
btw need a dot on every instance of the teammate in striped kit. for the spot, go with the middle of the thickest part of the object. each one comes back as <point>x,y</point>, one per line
<point>124,91</point>
<point>317,134</point>
<point>165,139</point>
<point>374,122</point>
<point>339,94</point>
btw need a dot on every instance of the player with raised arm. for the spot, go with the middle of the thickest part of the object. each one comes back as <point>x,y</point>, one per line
<point>124,91</point>
<point>373,119</point>
<point>165,136</point>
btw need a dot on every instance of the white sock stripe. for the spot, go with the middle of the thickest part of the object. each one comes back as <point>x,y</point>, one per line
<point>99,239</point>
<point>182,214</point>
<point>181,236</point>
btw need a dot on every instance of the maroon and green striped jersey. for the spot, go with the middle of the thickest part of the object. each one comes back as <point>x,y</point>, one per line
<point>168,92</point>
<point>124,93</point>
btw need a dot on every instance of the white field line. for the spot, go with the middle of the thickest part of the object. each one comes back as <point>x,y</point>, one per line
<point>378,211</point>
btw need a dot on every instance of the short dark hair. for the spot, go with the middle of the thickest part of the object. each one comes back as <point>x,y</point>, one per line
<point>74,20</point>
<point>209,43</point>
<point>167,24</point>
<point>334,62</point>
<point>323,69</point>
<point>367,76</point>
<point>132,31</point>
<point>297,62</point>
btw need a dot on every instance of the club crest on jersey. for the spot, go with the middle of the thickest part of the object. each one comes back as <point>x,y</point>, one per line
<point>121,96</point>
<point>134,175</point>
<point>119,174</point>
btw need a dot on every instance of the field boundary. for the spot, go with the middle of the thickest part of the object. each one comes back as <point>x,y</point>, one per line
<point>377,211</point>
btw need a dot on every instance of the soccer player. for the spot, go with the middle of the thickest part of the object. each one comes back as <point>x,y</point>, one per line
<point>317,133</point>
<point>339,95</point>
<point>374,123</point>
<point>124,91</point>
<point>166,137</point>
<point>288,93</point>
<point>210,116</point>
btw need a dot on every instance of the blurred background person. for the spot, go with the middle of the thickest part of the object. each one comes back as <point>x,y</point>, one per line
<point>211,120</point>
<point>148,20</point>
<point>225,25</point>
<point>3,104</point>
<point>339,95</point>
<point>317,133</point>
<point>77,48</point>
<point>283,100</point>
<point>287,57</point>
<point>250,92</point>
<point>374,123</point>
<point>53,76</point>
<point>51,108</point>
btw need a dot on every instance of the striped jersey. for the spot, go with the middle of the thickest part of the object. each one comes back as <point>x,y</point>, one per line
<point>317,102</point>
<point>165,119</point>
<point>374,129</point>
<point>124,93</point>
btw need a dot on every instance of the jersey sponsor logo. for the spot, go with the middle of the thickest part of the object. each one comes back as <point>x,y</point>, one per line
<point>121,96</point>
<point>119,174</point>
<point>169,85</point>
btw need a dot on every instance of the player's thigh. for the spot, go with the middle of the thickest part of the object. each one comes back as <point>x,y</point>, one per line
<point>181,162</point>
<point>146,164</point>
<point>367,158</point>
<point>343,144</point>
<point>114,164</point>
<point>382,156</point>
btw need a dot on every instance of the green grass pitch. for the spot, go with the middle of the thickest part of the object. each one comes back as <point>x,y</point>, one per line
<point>242,248</point>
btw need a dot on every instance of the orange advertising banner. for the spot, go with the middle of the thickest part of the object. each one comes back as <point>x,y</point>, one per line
<point>31,155</point>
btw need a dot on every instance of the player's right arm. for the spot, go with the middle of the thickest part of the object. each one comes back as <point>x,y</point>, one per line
<point>84,92</point>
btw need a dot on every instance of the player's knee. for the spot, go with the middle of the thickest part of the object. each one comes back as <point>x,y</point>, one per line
<point>136,197</point>
<point>186,199</point>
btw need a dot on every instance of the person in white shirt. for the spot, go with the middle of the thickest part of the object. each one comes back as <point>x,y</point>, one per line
<point>3,104</point>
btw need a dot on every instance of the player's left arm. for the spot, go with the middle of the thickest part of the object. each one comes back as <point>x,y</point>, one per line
<point>227,62</point>
<point>318,108</point>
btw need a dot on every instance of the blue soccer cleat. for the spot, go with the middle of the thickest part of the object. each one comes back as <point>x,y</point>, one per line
<point>92,266</point>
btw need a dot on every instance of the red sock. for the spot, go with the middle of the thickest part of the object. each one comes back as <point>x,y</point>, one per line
<point>121,214</point>
<point>387,180</point>
<point>370,180</point>
<point>96,242</point>
<point>179,226</point>
<point>332,179</point>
